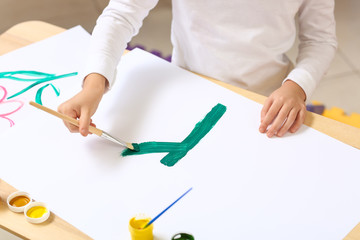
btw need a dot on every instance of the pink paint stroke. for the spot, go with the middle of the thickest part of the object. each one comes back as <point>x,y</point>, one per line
<point>3,101</point>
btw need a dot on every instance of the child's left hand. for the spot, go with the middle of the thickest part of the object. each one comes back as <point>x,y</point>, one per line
<point>284,110</point>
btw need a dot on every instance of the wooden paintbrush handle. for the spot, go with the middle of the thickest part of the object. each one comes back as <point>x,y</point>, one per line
<point>95,130</point>
<point>66,118</point>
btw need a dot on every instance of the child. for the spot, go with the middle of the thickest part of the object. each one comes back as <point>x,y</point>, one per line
<point>241,42</point>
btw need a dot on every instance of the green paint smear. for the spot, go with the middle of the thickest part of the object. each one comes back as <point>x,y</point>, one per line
<point>177,150</point>
<point>37,78</point>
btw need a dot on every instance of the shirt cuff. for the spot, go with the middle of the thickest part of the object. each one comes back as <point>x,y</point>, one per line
<point>106,70</point>
<point>304,79</point>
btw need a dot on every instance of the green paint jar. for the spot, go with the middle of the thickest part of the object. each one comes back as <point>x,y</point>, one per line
<point>182,236</point>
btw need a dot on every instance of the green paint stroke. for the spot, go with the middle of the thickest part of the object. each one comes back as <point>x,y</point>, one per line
<point>177,150</point>
<point>40,90</point>
<point>37,78</point>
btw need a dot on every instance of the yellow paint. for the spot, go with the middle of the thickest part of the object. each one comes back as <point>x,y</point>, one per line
<point>140,224</point>
<point>36,212</point>
<point>136,229</point>
<point>19,201</point>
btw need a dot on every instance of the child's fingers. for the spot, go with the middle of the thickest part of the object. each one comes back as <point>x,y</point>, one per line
<point>270,116</point>
<point>266,108</point>
<point>72,128</point>
<point>278,121</point>
<point>71,113</point>
<point>300,118</point>
<point>92,124</point>
<point>84,122</point>
<point>288,123</point>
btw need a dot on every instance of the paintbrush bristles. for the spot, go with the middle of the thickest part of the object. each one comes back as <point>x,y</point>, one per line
<point>134,147</point>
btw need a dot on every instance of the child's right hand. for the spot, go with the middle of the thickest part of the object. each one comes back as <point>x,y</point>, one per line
<point>84,104</point>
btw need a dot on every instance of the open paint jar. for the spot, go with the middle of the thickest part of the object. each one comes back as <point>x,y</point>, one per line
<point>36,212</point>
<point>17,201</point>
<point>137,230</point>
<point>183,236</point>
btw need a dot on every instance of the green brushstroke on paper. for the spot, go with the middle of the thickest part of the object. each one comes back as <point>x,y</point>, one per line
<point>177,150</point>
<point>37,78</point>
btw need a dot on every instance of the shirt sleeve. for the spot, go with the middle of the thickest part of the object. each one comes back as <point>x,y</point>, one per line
<point>119,22</point>
<point>317,44</point>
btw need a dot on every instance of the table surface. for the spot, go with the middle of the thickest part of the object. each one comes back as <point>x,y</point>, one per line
<point>26,33</point>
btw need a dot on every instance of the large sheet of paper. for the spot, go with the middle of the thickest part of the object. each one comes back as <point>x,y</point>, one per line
<point>245,186</point>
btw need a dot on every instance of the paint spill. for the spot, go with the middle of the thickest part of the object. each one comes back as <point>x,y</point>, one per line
<point>177,150</point>
<point>9,112</point>
<point>35,77</point>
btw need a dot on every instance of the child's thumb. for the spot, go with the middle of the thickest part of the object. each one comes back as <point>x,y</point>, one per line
<point>84,122</point>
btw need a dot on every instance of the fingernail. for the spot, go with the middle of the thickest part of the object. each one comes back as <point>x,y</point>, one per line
<point>83,132</point>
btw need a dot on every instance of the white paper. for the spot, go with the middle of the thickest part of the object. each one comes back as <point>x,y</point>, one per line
<point>245,186</point>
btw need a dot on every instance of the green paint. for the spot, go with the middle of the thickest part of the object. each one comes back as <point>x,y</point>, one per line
<point>37,78</point>
<point>183,236</point>
<point>136,147</point>
<point>11,75</point>
<point>177,150</point>
<point>40,90</point>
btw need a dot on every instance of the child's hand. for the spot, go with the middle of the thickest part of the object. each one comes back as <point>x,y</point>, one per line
<point>284,110</point>
<point>84,104</point>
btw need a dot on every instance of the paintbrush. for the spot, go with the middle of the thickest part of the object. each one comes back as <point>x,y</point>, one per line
<point>153,220</point>
<point>94,130</point>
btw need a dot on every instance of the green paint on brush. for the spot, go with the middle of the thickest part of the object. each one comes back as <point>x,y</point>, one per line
<point>177,150</point>
<point>136,147</point>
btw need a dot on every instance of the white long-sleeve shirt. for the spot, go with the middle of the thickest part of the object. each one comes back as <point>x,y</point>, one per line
<point>241,42</point>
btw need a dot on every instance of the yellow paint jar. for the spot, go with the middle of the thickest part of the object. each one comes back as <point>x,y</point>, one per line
<point>17,201</point>
<point>36,212</point>
<point>137,232</point>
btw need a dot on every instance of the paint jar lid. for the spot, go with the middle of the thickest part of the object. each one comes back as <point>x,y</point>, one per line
<point>36,212</point>
<point>17,201</point>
